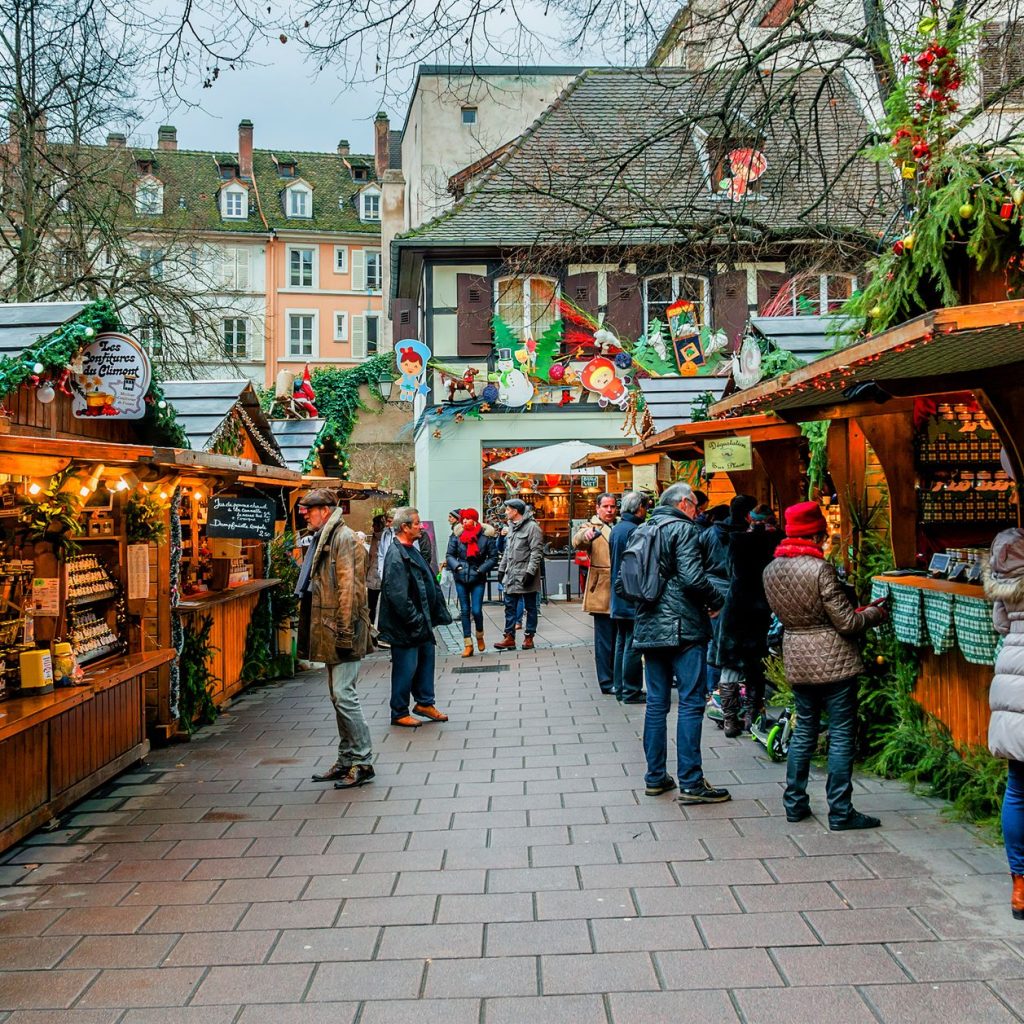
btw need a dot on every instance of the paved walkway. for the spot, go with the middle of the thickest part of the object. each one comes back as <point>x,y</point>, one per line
<point>505,868</point>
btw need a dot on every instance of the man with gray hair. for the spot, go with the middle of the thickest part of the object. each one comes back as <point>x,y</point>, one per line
<point>411,605</point>
<point>673,634</point>
<point>627,668</point>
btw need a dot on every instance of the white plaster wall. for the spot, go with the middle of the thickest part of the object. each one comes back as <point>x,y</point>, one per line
<point>449,470</point>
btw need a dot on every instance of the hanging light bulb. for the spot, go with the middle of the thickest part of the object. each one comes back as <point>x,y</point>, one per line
<point>34,488</point>
<point>161,404</point>
<point>38,368</point>
<point>88,332</point>
<point>127,481</point>
<point>45,393</point>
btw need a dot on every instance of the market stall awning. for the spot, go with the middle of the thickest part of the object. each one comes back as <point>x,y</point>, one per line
<point>686,440</point>
<point>552,458</point>
<point>956,349</point>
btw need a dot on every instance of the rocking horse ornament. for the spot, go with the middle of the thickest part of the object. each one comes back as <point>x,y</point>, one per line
<point>463,383</point>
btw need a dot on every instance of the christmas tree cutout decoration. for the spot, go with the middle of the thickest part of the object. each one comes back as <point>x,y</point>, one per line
<point>547,351</point>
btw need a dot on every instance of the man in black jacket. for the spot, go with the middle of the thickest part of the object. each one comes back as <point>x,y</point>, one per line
<point>411,605</point>
<point>627,668</point>
<point>673,633</point>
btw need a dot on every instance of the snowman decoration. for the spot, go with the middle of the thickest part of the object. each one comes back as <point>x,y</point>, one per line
<point>514,387</point>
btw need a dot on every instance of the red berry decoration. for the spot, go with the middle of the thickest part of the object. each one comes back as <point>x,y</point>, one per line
<point>897,247</point>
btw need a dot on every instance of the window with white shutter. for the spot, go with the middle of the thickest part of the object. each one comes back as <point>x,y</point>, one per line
<point>234,268</point>
<point>358,337</point>
<point>358,270</point>
<point>340,326</point>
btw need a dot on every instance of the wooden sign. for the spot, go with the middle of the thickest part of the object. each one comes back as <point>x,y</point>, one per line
<point>110,377</point>
<point>728,455</point>
<point>241,517</point>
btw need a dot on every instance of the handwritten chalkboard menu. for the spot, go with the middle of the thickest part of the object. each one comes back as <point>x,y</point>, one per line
<point>241,517</point>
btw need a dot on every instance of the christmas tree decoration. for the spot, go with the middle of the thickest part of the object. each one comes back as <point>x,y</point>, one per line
<point>623,360</point>
<point>489,393</point>
<point>546,351</point>
<point>557,372</point>
<point>966,211</point>
<point>45,393</point>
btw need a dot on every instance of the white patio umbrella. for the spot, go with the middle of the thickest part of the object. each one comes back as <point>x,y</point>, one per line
<point>552,458</point>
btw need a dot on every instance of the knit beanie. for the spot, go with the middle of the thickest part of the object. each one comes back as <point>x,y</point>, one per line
<point>470,513</point>
<point>805,520</point>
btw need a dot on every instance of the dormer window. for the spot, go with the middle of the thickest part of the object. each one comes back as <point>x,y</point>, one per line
<point>733,167</point>
<point>234,202</point>
<point>149,197</point>
<point>299,200</point>
<point>286,166</point>
<point>369,205</point>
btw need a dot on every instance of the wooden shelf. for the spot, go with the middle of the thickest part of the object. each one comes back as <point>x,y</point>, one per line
<point>201,601</point>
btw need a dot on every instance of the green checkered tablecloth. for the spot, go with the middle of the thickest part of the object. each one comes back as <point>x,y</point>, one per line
<point>974,631</point>
<point>938,617</point>
<point>933,618</point>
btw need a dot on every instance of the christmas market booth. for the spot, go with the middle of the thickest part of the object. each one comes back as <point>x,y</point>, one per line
<point>230,542</point>
<point>85,630</point>
<point>936,405</point>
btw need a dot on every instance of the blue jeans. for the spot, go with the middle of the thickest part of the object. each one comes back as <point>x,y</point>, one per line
<point>354,745</point>
<point>604,652</point>
<point>471,600</point>
<point>686,665</point>
<point>1013,817</point>
<point>412,672</point>
<point>839,700</point>
<point>628,669</point>
<point>513,612</point>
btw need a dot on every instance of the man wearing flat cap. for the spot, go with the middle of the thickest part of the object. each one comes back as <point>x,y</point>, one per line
<point>334,627</point>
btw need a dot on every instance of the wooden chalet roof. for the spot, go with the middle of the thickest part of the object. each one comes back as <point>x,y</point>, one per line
<point>953,349</point>
<point>24,323</point>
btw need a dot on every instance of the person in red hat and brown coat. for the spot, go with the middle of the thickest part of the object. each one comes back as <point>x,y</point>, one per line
<point>822,662</point>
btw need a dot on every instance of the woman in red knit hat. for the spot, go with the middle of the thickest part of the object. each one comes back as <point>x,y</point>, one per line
<point>822,663</point>
<point>472,554</point>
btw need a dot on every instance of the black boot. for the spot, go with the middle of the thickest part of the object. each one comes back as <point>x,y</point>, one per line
<point>730,697</point>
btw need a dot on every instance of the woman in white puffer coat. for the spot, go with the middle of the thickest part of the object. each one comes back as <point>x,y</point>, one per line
<point>1004,584</point>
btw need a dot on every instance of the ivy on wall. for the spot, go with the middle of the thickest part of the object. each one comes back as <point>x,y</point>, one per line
<point>338,402</point>
<point>195,704</point>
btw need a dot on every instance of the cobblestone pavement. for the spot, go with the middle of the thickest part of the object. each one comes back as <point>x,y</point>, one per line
<point>505,867</point>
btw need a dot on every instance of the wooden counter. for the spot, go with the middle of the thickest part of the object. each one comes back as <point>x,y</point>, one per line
<point>58,747</point>
<point>231,611</point>
<point>949,687</point>
<point>931,583</point>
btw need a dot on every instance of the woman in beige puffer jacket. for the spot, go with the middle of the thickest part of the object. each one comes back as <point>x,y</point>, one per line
<point>1004,585</point>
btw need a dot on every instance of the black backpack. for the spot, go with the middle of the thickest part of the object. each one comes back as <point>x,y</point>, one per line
<point>640,577</point>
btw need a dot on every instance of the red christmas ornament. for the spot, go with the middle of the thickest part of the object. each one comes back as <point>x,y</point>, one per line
<point>1006,210</point>
<point>897,247</point>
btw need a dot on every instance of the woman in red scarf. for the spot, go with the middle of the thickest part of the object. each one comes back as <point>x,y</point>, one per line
<point>472,554</point>
<point>822,662</point>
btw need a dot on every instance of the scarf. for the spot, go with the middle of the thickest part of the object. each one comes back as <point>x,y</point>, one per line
<point>469,536</point>
<point>794,547</point>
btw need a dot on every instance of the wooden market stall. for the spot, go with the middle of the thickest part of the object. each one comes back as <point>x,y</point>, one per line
<point>938,404</point>
<point>80,640</point>
<point>234,491</point>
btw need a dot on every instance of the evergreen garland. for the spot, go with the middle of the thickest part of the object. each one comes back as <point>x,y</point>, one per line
<point>195,705</point>
<point>338,402</point>
<point>259,660</point>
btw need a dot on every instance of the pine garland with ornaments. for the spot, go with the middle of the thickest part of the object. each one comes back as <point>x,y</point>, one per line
<point>964,201</point>
<point>45,367</point>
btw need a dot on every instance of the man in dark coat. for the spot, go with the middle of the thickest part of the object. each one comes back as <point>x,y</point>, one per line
<point>673,633</point>
<point>335,629</point>
<point>627,669</point>
<point>411,605</point>
<point>519,571</point>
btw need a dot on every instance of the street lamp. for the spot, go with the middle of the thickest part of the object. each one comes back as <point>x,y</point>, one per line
<point>384,385</point>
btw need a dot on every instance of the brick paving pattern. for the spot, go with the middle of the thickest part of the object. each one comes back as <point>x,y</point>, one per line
<point>505,867</point>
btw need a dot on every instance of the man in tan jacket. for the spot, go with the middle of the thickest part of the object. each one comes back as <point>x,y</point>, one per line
<point>334,627</point>
<point>594,538</point>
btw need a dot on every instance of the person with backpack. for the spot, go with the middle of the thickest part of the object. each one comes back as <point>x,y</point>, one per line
<point>594,538</point>
<point>822,662</point>
<point>663,568</point>
<point>627,667</point>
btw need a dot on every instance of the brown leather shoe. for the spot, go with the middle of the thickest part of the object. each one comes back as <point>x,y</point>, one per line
<point>480,643</point>
<point>528,642</point>
<point>407,722</point>
<point>357,775</point>
<point>335,772</point>
<point>508,644</point>
<point>1017,899</point>
<point>429,711</point>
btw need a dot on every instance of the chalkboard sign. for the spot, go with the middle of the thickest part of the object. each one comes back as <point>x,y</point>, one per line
<point>248,518</point>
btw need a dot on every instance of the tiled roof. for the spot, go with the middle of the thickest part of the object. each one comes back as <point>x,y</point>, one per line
<point>394,150</point>
<point>23,323</point>
<point>192,183</point>
<point>614,161</point>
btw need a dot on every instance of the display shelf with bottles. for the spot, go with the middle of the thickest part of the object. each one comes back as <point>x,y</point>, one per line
<point>94,606</point>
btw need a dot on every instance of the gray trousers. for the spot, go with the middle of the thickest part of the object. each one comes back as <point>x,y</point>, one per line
<point>353,733</point>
